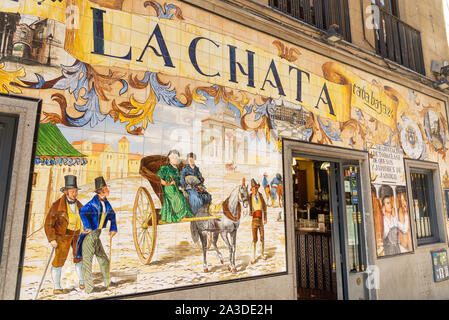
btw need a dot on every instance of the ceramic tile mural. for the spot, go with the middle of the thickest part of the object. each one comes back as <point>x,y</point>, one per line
<point>135,90</point>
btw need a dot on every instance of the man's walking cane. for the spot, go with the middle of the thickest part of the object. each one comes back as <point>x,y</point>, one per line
<point>110,256</point>
<point>45,272</point>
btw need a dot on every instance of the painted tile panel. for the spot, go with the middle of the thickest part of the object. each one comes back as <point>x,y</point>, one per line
<point>170,79</point>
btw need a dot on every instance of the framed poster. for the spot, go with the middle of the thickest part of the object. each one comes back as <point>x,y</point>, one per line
<point>391,208</point>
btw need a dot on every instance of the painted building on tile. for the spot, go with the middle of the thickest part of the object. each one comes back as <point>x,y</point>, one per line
<point>333,112</point>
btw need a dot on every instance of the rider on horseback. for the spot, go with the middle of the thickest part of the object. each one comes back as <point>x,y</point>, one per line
<point>276,188</point>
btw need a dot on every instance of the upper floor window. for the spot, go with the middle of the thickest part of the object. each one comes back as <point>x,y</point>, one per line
<point>397,40</point>
<point>319,13</point>
<point>390,6</point>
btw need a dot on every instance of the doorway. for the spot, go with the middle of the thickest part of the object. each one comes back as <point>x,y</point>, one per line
<point>328,229</point>
<point>8,128</point>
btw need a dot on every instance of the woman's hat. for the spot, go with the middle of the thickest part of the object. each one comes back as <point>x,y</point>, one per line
<point>191,155</point>
<point>173,152</point>
<point>70,183</point>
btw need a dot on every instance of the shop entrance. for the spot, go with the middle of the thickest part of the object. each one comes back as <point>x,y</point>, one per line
<point>326,202</point>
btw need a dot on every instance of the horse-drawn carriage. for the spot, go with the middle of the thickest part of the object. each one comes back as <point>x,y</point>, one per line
<point>146,217</point>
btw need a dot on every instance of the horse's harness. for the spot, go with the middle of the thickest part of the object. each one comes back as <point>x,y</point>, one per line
<point>228,213</point>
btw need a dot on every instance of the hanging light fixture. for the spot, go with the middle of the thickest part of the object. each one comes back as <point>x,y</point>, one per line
<point>444,71</point>
<point>333,33</point>
<point>325,166</point>
<point>442,84</point>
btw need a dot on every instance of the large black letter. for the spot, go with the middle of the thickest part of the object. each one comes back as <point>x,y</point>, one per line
<point>299,73</point>
<point>233,66</point>
<point>99,35</point>
<point>161,42</point>
<point>192,55</point>
<point>328,98</point>
<point>278,85</point>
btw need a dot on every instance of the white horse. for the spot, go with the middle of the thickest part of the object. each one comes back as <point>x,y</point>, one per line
<point>231,211</point>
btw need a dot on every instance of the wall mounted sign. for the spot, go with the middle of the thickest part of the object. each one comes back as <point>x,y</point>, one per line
<point>412,139</point>
<point>440,265</point>
<point>391,213</point>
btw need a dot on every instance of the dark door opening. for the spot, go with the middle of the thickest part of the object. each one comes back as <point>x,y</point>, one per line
<point>8,128</point>
<point>318,201</point>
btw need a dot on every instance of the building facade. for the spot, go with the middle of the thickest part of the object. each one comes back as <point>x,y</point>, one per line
<point>334,110</point>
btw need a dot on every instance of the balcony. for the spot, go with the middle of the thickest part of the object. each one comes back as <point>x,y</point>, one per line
<point>399,42</point>
<point>318,13</point>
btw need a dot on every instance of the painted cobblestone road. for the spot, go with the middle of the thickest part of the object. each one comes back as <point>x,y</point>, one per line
<point>177,261</point>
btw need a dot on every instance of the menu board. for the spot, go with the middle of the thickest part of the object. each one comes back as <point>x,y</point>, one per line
<point>440,265</point>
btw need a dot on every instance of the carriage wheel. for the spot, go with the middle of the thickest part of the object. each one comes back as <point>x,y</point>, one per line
<point>144,225</point>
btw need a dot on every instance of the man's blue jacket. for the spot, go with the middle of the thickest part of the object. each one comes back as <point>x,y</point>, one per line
<point>90,215</point>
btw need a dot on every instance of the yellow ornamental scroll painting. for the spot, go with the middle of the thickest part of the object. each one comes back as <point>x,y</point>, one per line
<point>146,43</point>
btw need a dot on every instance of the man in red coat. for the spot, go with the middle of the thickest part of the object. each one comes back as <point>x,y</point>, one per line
<point>258,210</point>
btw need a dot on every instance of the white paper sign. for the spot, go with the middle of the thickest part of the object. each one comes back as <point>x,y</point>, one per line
<point>387,165</point>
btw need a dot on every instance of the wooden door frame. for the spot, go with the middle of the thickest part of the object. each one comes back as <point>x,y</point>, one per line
<point>7,147</point>
<point>28,112</point>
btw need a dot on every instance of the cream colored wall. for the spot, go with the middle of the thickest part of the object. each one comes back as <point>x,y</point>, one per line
<point>361,36</point>
<point>428,17</point>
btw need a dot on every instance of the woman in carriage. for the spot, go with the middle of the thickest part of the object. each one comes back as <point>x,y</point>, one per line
<point>192,183</point>
<point>175,205</point>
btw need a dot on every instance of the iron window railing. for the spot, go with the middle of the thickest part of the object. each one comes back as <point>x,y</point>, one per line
<point>424,206</point>
<point>399,42</point>
<point>319,13</point>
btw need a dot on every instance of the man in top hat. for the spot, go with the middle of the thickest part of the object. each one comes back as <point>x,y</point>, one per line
<point>95,216</point>
<point>258,210</point>
<point>62,227</point>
